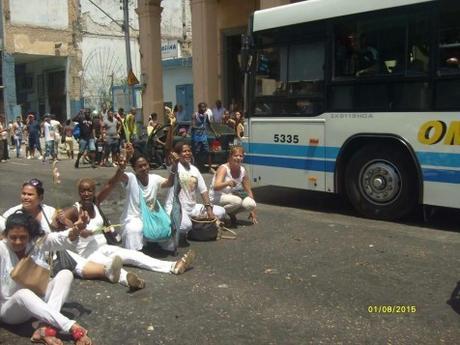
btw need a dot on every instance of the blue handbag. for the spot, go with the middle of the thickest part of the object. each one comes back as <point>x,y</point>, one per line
<point>156,224</point>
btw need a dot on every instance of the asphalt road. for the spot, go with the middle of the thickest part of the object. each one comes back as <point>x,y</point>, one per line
<point>308,273</point>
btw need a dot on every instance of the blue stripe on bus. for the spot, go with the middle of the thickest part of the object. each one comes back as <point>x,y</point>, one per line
<point>441,175</point>
<point>327,152</point>
<point>331,152</point>
<point>439,159</point>
<point>431,175</point>
<point>292,163</point>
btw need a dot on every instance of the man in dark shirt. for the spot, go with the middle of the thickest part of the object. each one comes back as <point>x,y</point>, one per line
<point>33,128</point>
<point>87,142</point>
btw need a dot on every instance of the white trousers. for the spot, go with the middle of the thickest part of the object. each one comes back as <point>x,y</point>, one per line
<point>132,236</point>
<point>25,304</point>
<point>105,253</point>
<point>233,204</point>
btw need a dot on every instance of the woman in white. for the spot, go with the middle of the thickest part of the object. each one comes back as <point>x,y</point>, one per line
<point>32,194</point>
<point>191,181</point>
<point>230,187</point>
<point>134,183</point>
<point>93,246</point>
<point>19,304</point>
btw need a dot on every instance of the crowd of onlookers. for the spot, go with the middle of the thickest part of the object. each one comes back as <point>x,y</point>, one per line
<point>32,229</point>
<point>98,136</point>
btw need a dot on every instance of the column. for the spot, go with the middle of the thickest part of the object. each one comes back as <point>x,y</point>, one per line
<point>205,51</point>
<point>149,12</point>
<point>272,3</point>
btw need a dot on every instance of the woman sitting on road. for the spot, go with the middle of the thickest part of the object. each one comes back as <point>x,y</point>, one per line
<point>18,304</point>
<point>93,246</point>
<point>190,180</point>
<point>139,181</point>
<point>32,193</point>
<point>230,187</point>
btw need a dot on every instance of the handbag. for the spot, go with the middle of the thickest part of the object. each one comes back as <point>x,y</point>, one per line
<point>203,229</point>
<point>111,235</point>
<point>31,275</point>
<point>63,261</point>
<point>156,225</point>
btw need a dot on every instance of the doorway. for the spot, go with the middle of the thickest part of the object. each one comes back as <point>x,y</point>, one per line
<point>233,78</point>
<point>57,95</point>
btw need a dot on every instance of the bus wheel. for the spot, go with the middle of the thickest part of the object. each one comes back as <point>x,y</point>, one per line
<point>381,182</point>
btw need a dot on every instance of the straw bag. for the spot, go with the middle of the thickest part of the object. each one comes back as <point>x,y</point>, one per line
<point>31,275</point>
<point>204,229</point>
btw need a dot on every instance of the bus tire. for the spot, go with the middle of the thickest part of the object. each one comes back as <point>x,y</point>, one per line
<point>381,182</point>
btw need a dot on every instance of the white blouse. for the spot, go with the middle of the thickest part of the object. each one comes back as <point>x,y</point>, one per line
<point>9,259</point>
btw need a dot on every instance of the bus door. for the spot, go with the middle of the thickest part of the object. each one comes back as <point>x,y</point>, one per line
<point>287,152</point>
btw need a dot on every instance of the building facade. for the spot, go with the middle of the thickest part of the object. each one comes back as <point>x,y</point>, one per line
<point>41,58</point>
<point>103,50</point>
<point>217,26</point>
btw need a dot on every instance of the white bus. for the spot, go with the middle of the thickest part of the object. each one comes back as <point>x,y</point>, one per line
<point>356,97</point>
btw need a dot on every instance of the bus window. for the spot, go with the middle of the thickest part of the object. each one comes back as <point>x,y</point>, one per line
<point>369,48</point>
<point>419,45</point>
<point>449,39</point>
<point>290,79</point>
<point>271,71</point>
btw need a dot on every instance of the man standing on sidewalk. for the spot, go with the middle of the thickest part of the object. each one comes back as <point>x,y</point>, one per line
<point>87,142</point>
<point>48,131</point>
<point>33,128</point>
<point>3,139</point>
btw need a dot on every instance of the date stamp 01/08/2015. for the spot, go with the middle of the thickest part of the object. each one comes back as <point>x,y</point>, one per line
<point>391,309</point>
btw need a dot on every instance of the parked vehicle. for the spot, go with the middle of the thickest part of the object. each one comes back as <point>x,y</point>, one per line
<point>156,152</point>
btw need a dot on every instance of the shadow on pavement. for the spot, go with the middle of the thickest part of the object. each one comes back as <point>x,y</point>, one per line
<point>454,300</point>
<point>430,217</point>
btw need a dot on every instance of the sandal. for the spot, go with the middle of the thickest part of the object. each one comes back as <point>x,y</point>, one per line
<point>45,335</point>
<point>184,262</point>
<point>80,335</point>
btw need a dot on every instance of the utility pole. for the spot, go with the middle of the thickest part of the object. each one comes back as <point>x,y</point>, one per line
<point>129,66</point>
<point>5,110</point>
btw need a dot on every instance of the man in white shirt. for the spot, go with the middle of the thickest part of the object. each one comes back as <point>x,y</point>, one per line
<point>218,112</point>
<point>57,128</point>
<point>48,132</point>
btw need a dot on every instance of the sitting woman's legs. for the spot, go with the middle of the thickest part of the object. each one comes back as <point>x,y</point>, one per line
<point>90,269</point>
<point>24,304</point>
<point>134,258</point>
<point>248,204</point>
<point>132,236</point>
<point>231,203</point>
